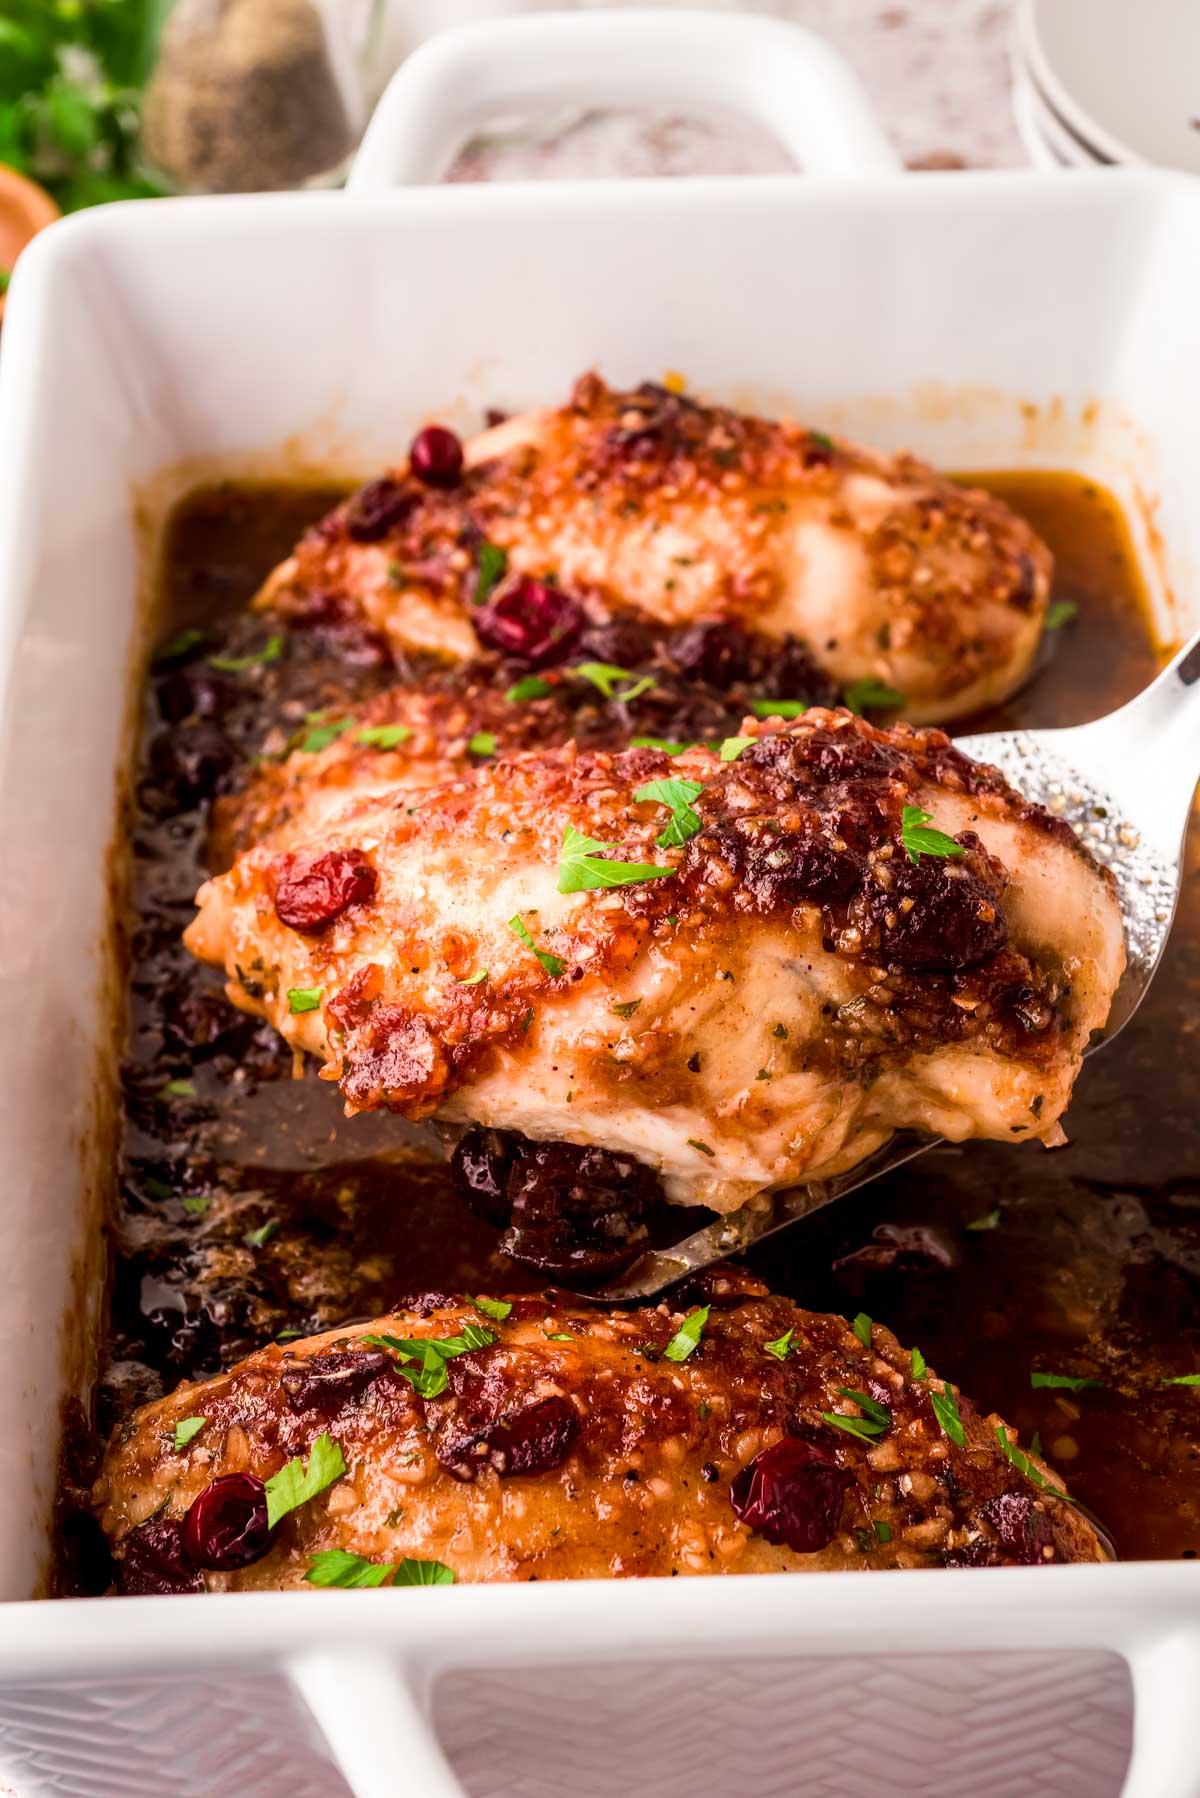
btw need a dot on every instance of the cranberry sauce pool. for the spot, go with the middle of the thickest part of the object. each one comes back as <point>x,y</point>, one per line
<point>249,1208</point>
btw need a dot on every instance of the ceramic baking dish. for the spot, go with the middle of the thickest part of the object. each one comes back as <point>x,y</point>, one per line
<point>984,319</point>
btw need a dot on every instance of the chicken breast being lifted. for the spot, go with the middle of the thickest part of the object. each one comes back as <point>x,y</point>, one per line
<point>541,1440</point>
<point>651,504</point>
<point>745,968</point>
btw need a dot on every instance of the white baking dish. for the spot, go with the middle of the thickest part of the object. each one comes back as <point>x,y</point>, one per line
<point>1000,319</point>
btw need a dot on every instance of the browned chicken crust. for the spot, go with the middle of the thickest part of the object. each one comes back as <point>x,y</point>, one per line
<point>572,1446</point>
<point>648,502</point>
<point>788,991</point>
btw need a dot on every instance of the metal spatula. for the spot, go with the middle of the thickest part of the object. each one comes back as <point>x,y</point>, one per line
<point>1126,783</point>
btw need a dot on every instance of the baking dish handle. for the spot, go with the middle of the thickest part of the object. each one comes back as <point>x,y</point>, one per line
<point>375,1715</point>
<point>781,76</point>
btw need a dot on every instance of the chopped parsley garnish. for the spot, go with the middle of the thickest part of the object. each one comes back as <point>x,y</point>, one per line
<point>1182,1379</point>
<point>1035,1444</point>
<point>919,841</point>
<point>423,1573</point>
<point>873,695</point>
<point>778,708</point>
<point>917,1365</point>
<point>626,1008</point>
<point>558,1335</point>
<point>185,1430</point>
<point>781,1346</point>
<point>430,1378</point>
<point>876,1420</point>
<point>496,1309</point>
<point>662,743</point>
<point>552,963</point>
<point>296,1483</point>
<point>1060,612</point>
<point>606,679</point>
<point>338,1567</point>
<point>304,998</point>
<point>257,1239</point>
<point>822,440</point>
<point>882,1528</point>
<point>493,561</point>
<point>532,687</point>
<point>196,1207</point>
<point>695,1143</point>
<point>583,866</point>
<point>178,646</point>
<point>322,735</point>
<point>271,651</point>
<point>988,1221</point>
<point>677,796</point>
<point>1020,1460</point>
<point>687,1335</point>
<point>384,736</point>
<point>732,747</point>
<point>473,979</point>
<point>179,1089</point>
<point>1064,1382</point>
<point>945,1409</point>
<point>780,1031</point>
<point>483,743</point>
<point>862,1326</point>
<point>764,1074</point>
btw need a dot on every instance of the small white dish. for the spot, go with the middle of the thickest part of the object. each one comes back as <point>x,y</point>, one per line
<point>1048,141</point>
<point>1124,78</point>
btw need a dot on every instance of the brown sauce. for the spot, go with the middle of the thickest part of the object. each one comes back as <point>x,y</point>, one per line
<point>249,1207</point>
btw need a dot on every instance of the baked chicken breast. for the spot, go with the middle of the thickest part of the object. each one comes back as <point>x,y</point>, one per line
<point>536,1439</point>
<point>744,966</point>
<point>648,503</point>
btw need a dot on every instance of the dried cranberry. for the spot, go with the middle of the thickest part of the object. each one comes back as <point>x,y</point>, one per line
<point>154,1561</point>
<point>532,622</point>
<point>788,870</point>
<point>192,693</point>
<point>791,1495</point>
<point>329,1383</point>
<point>722,1287</point>
<point>909,1248</point>
<point>716,652</point>
<point>190,763</point>
<point>576,1213</point>
<point>1022,1529</point>
<point>435,456</point>
<point>480,1166</point>
<point>622,641</point>
<point>226,1525</point>
<point>312,892</point>
<point>939,916</point>
<point>808,758</point>
<point>535,1439</point>
<point>376,509</point>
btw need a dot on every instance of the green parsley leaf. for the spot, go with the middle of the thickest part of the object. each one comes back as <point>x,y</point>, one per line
<point>338,1567</point>
<point>496,1309</point>
<point>1064,1382</point>
<point>919,841</point>
<point>883,1529</point>
<point>1182,1379</point>
<point>257,1239</point>
<point>532,687</point>
<point>1035,1444</point>
<point>1018,1459</point>
<point>873,695</point>
<point>288,1335</point>
<point>862,1427</point>
<point>296,1483</point>
<point>322,735</point>
<point>663,743</point>
<point>5,278</point>
<point>196,1207</point>
<point>822,440</point>
<point>384,736</point>
<point>582,867</point>
<point>877,1415</point>
<point>304,998</point>
<point>695,1143</point>
<point>945,1409</point>
<point>626,1008</point>
<point>778,708</point>
<point>687,1335</point>
<point>732,747</point>
<point>493,561</point>
<point>185,1430</point>
<point>552,963</point>
<point>270,652</point>
<point>781,1032</point>
<point>473,979</point>
<point>606,679</point>
<point>179,1089</point>
<point>483,743</point>
<point>862,1326</point>
<point>423,1573</point>
<point>917,1365</point>
<point>780,1347</point>
<point>558,1335</point>
<point>1060,612</point>
<point>430,1379</point>
<point>988,1221</point>
<point>177,647</point>
<point>677,796</point>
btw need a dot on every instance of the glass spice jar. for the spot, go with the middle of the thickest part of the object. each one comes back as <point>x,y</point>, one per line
<point>250,95</point>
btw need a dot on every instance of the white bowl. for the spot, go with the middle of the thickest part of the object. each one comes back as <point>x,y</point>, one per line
<point>1049,144</point>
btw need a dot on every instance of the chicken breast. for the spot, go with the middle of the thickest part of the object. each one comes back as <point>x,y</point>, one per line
<point>543,1440</point>
<point>744,967</point>
<point>648,503</point>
